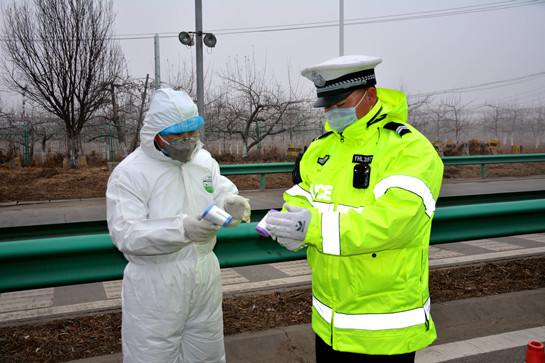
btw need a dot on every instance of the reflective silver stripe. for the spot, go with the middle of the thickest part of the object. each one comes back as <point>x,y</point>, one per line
<point>409,183</point>
<point>398,320</point>
<point>324,310</point>
<point>401,128</point>
<point>345,208</point>
<point>331,243</point>
<point>297,191</point>
<point>323,207</point>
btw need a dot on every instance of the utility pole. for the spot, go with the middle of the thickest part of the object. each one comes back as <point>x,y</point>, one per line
<point>157,63</point>
<point>341,27</point>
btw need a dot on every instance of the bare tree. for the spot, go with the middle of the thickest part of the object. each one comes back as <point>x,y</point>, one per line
<point>60,52</point>
<point>182,76</point>
<point>455,112</point>
<point>254,105</point>
<point>513,123</point>
<point>419,114</point>
<point>493,119</point>
<point>537,125</point>
<point>128,101</point>
<point>438,115</point>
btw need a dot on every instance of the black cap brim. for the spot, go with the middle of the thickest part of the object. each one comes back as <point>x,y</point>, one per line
<point>332,98</point>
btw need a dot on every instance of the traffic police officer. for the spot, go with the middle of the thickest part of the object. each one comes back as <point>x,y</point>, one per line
<point>363,202</point>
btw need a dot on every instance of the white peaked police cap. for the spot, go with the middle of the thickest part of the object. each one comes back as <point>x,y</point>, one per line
<point>337,78</point>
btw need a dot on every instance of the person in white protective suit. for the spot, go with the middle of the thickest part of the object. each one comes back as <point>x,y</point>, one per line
<point>171,294</point>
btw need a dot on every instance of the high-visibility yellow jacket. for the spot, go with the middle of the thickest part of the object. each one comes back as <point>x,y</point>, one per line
<point>368,239</point>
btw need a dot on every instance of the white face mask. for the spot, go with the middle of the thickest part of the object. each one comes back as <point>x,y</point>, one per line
<point>182,149</point>
<point>340,118</point>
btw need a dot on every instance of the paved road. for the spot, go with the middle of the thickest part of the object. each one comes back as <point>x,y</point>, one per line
<point>491,329</point>
<point>76,210</point>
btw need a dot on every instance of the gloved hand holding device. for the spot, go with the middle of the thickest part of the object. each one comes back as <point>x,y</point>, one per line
<point>197,229</point>
<point>239,208</point>
<point>290,227</point>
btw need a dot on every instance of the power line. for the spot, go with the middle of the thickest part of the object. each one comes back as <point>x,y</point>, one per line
<point>484,86</point>
<point>358,21</point>
<point>463,10</point>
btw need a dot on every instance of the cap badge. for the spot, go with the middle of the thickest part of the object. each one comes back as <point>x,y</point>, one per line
<point>318,80</point>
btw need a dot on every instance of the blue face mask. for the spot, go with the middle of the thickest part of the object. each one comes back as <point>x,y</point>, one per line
<point>340,118</point>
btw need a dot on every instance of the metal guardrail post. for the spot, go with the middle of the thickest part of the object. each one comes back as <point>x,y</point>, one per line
<point>262,182</point>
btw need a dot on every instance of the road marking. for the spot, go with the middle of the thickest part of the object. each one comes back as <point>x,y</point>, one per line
<point>293,268</point>
<point>437,253</point>
<point>267,284</point>
<point>112,289</point>
<point>537,237</point>
<point>24,300</point>
<point>491,343</point>
<point>491,245</point>
<point>487,256</point>
<point>230,276</point>
<point>60,310</point>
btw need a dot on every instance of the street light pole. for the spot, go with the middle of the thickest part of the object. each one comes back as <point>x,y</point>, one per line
<point>210,41</point>
<point>200,91</point>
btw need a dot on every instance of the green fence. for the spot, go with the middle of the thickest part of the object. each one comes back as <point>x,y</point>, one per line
<point>271,168</point>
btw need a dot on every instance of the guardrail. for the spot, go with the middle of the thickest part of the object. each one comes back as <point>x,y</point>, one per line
<point>270,168</point>
<point>94,227</point>
<point>55,261</point>
<point>491,159</point>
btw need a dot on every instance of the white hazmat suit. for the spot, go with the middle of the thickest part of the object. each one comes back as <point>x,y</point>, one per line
<point>171,294</point>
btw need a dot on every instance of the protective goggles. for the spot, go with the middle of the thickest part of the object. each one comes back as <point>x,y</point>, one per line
<point>193,137</point>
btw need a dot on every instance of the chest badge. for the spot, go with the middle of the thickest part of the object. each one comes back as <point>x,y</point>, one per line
<point>323,160</point>
<point>207,184</point>
<point>365,159</point>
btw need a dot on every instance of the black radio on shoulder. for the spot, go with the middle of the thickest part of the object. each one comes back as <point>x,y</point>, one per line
<point>362,174</point>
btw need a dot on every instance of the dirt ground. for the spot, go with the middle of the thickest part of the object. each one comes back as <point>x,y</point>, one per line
<point>81,337</point>
<point>50,183</point>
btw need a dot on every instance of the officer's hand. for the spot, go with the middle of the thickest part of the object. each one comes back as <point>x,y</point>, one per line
<point>239,208</point>
<point>292,224</point>
<point>197,229</point>
<point>290,244</point>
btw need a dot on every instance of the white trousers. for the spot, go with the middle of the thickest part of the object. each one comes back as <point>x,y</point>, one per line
<point>172,312</point>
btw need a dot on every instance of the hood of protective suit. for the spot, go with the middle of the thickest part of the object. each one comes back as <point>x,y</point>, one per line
<point>168,107</point>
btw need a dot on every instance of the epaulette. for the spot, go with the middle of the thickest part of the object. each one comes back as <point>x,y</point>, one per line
<point>401,129</point>
<point>323,135</point>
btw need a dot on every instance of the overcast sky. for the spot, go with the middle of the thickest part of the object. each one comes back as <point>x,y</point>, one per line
<point>492,50</point>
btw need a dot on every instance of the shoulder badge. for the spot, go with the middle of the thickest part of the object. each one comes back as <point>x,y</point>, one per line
<point>401,129</point>
<point>323,135</point>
